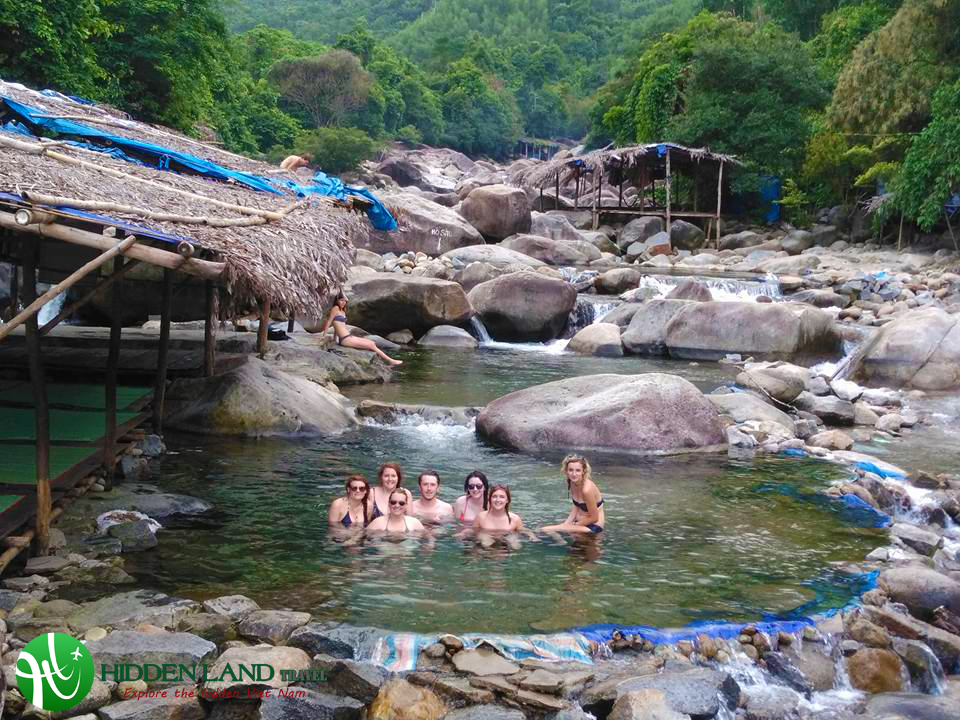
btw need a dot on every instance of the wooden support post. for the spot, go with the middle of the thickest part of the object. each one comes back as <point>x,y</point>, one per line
<point>160,387</point>
<point>556,204</point>
<point>669,184</point>
<point>696,188</point>
<point>33,308</point>
<point>953,237</point>
<point>42,412</point>
<point>113,363</point>
<point>719,200</point>
<point>263,328</point>
<point>291,323</point>
<point>576,192</point>
<point>14,291</point>
<point>209,344</point>
<point>620,198</point>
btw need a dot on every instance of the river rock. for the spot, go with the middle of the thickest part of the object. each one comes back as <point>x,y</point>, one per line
<point>279,658</point>
<point>864,415</point>
<point>169,706</point>
<point>781,386</point>
<point>485,712</point>
<point>796,242</point>
<point>831,439</point>
<point>475,273</point>
<point>618,280</point>
<point>127,610</point>
<point>482,661</point>
<point>523,306</point>
<point>126,646</point>
<point>336,640</point>
<point>697,692</point>
<point>385,302</point>
<point>875,670</point>
<point>447,336</point>
<point>496,255</point>
<point>812,661</point>
<point>555,226</point>
<point>770,702</point>
<point>921,589</point>
<point>218,629</point>
<point>745,406</point>
<point>272,626</point>
<point>795,265</point>
<point>648,704</point>
<point>832,410</point>
<point>744,239</point>
<point>408,170</point>
<point>314,706</point>
<point>945,645</point>
<point>161,505</point>
<point>256,400</point>
<point>923,541</point>
<point>686,236</point>
<point>690,290</point>
<point>919,349</point>
<point>400,700</point>
<point>889,423</point>
<point>601,339</point>
<point>821,298</point>
<point>711,330</point>
<point>235,607</point>
<point>497,211</point>
<point>601,241</point>
<point>641,414</point>
<point>622,314</point>
<point>134,536</point>
<point>423,226</point>
<point>639,230</point>
<point>550,251</point>
<point>647,332</point>
<point>912,706</point>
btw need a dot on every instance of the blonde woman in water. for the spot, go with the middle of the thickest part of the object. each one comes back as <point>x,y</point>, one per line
<point>587,514</point>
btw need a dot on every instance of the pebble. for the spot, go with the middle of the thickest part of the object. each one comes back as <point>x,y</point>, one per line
<point>94,633</point>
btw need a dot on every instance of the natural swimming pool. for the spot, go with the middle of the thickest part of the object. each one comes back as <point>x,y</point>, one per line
<point>690,538</point>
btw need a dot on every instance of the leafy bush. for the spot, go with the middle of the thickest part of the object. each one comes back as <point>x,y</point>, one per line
<point>410,135</point>
<point>337,150</point>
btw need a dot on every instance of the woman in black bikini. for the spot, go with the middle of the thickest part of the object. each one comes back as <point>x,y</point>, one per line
<point>352,510</point>
<point>397,520</point>
<point>389,478</point>
<point>587,515</point>
<point>338,318</point>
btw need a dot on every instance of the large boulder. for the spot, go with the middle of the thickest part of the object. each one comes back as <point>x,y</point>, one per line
<point>447,336</point>
<point>710,330</point>
<point>921,589</point>
<point>423,226</point>
<point>797,241</point>
<point>497,211</point>
<point>651,414</point>
<point>495,255</point>
<point>647,332</point>
<point>747,238</point>
<point>524,306</point>
<point>875,670</point>
<point>386,302</point>
<point>598,339</point>
<point>686,236</point>
<point>554,226</point>
<point>639,230</point>
<point>920,349</point>
<point>618,280</point>
<point>475,273</point>
<point>552,252</point>
<point>690,290</point>
<point>622,314</point>
<point>256,400</point>
<point>745,406</point>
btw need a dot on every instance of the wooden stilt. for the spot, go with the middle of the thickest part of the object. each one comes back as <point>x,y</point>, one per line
<point>953,237</point>
<point>42,413</point>
<point>209,344</point>
<point>719,200</point>
<point>14,293</point>
<point>291,323</point>
<point>160,388</point>
<point>556,204</point>
<point>263,328</point>
<point>620,197</point>
<point>113,363</point>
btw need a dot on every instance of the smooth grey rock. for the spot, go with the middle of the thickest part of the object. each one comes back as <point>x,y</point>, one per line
<point>602,339</point>
<point>485,712</point>
<point>622,314</point>
<point>639,230</point>
<point>944,645</point>
<point>697,692</point>
<point>338,641</point>
<point>523,307</point>
<point>923,541</point>
<point>832,410</point>
<point>315,706</point>
<point>483,661</point>
<point>921,589</point>
<point>781,667</point>
<point>168,707</point>
<point>447,336</point>
<point>497,211</point>
<point>272,626</point>
<point>647,332</point>
<point>134,536</point>
<point>126,646</point>
<point>425,226</point>
<point>770,702</point>
<point>127,610</point>
<point>161,505</point>
<point>745,406</point>
<point>235,607</point>
<point>278,658</point>
<point>912,706</point>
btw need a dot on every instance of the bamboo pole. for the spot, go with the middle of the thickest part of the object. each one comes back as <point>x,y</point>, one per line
<point>113,363</point>
<point>556,202</point>
<point>14,290</point>
<point>160,386</point>
<point>291,323</point>
<point>953,237</point>
<point>209,346</point>
<point>263,328</point>
<point>33,308</point>
<point>73,307</point>
<point>42,412</point>
<point>40,149</point>
<point>719,200</point>
<point>104,206</point>
<point>192,266</point>
<point>669,184</point>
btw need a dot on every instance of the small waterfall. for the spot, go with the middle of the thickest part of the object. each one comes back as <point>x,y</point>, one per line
<point>479,330</point>
<point>49,311</point>
<point>722,289</point>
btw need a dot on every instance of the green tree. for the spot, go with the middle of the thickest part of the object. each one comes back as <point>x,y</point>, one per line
<point>337,150</point>
<point>845,28</point>
<point>327,87</point>
<point>263,46</point>
<point>479,116</point>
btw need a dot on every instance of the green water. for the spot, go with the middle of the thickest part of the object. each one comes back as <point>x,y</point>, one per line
<point>694,538</point>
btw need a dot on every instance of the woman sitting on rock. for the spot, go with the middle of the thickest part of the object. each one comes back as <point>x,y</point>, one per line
<point>389,478</point>
<point>474,499</point>
<point>353,509</point>
<point>498,521</point>
<point>338,318</point>
<point>396,520</point>
<point>587,514</point>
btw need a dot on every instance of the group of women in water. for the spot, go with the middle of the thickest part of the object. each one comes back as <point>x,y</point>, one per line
<point>389,507</point>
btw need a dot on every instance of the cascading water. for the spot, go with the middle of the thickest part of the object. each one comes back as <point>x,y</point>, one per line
<point>49,311</point>
<point>722,289</point>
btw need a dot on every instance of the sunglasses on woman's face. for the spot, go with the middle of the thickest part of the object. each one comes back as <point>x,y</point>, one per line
<point>357,488</point>
<point>478,486</point>
<point>398,503</point>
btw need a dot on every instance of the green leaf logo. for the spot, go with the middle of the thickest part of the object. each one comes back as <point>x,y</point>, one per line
<point>55,671</point>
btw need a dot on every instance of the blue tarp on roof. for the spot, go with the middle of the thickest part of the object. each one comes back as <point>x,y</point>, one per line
<point>163,158</point>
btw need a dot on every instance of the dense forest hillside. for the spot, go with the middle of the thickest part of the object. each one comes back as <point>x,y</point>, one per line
<point>841,99</point>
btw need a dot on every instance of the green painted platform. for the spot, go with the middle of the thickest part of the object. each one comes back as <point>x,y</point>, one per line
<point>19,466</point>
<point>75,396</point>
<point>65,425</point>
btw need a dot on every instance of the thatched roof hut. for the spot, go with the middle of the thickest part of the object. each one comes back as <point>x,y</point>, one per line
<point>269,246</point>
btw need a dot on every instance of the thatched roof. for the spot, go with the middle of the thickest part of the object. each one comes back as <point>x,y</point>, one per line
<point>541,174</point>
<point>293,261</point>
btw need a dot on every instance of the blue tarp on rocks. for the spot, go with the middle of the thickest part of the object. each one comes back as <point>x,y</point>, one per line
<point>323,184</point>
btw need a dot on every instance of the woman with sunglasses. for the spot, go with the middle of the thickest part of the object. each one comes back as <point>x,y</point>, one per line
<point>587,515</point>
<point>474,498</point>
<point>389,478</point>
<point>353,509</point>
<point>396,520</point>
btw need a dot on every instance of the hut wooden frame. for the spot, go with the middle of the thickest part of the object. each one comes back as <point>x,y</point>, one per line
<point>252,250</point>
<point>642,167</point>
